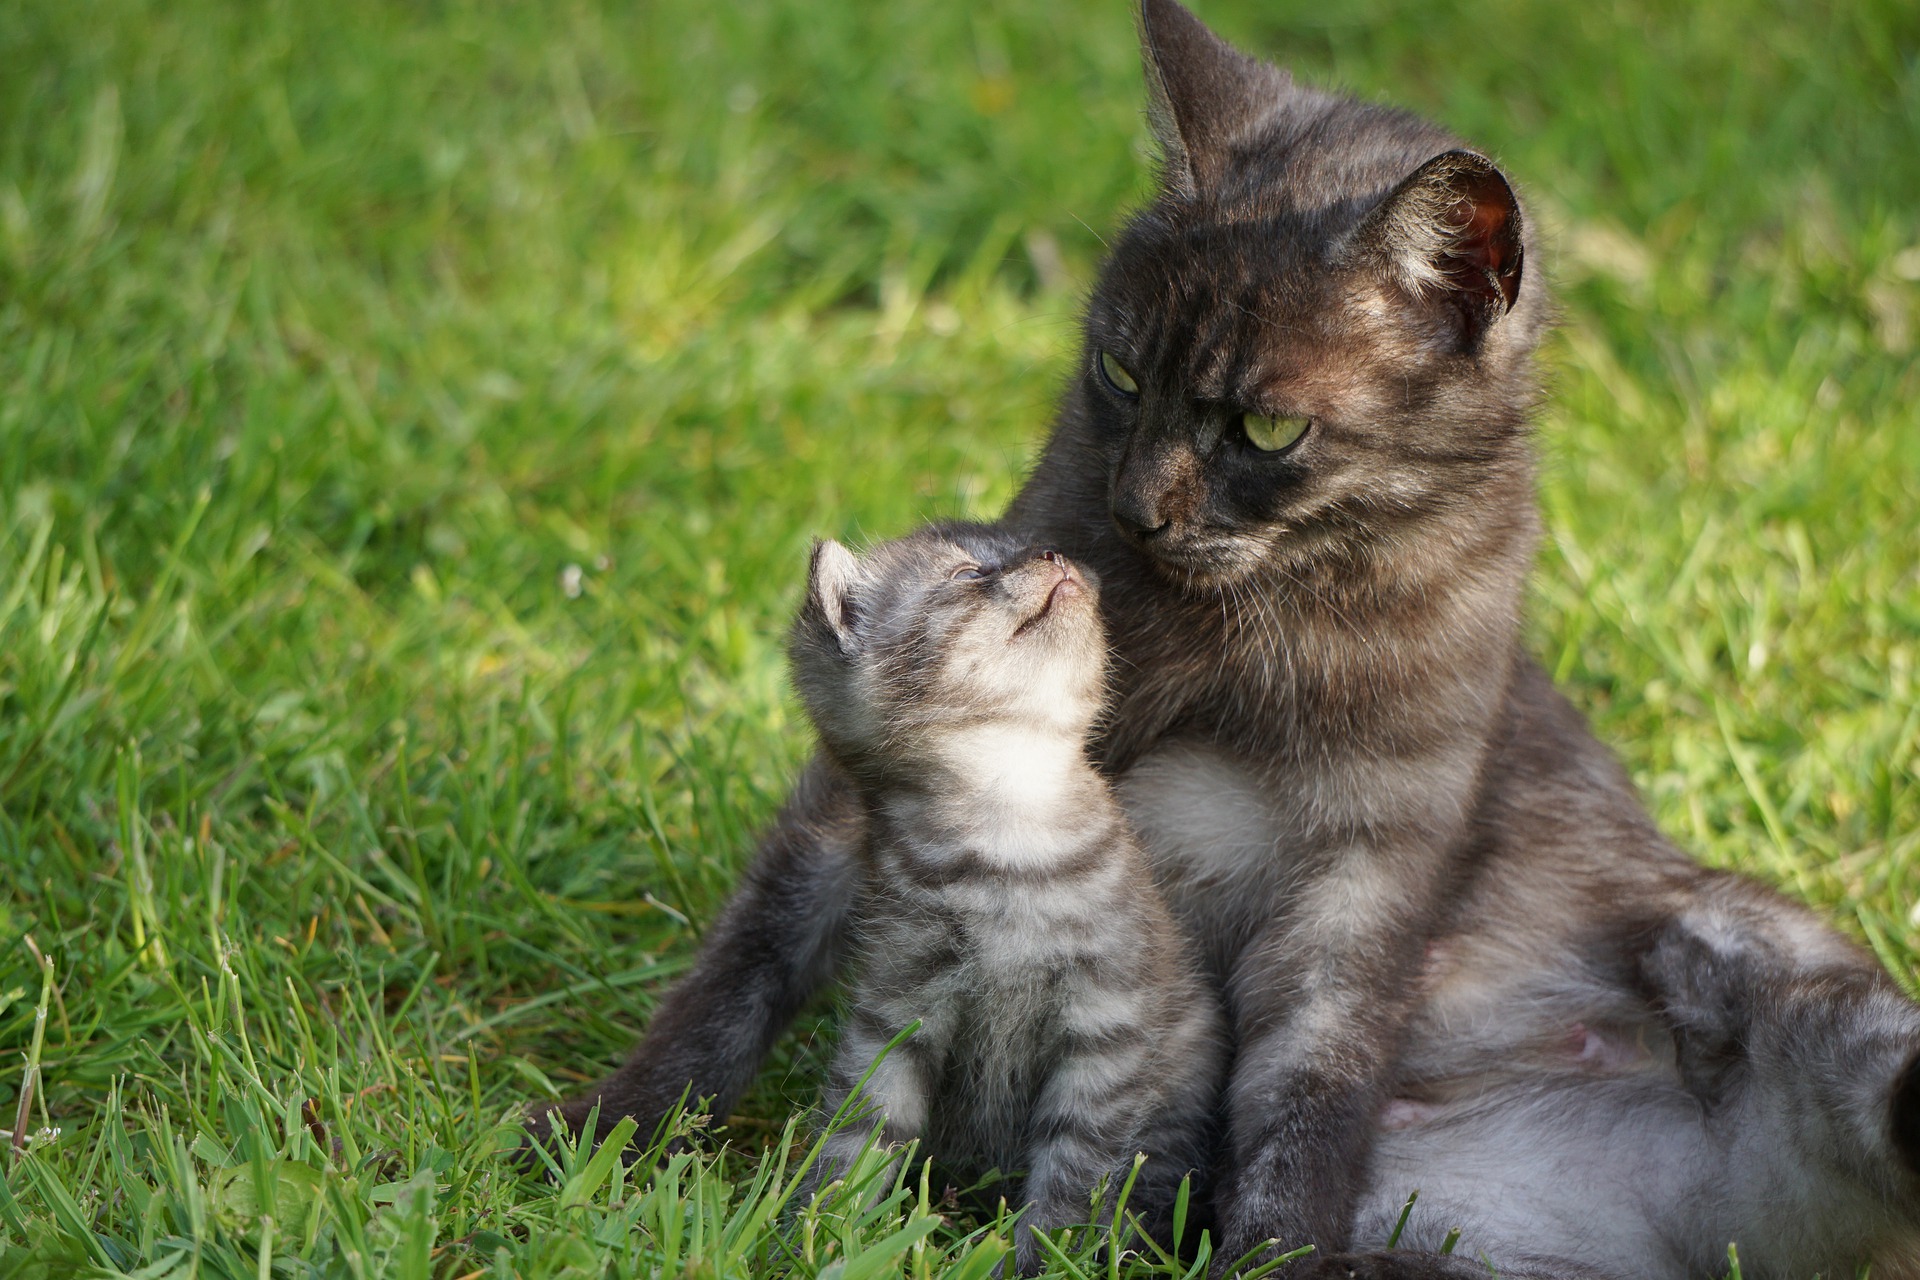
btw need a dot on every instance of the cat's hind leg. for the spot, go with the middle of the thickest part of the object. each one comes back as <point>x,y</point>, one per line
<point>1636,1176</point>
<point>1804,1058</point>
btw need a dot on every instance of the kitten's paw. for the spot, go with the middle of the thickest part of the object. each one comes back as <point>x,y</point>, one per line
<point>1028,1258</point>
<point>1405,1113</point>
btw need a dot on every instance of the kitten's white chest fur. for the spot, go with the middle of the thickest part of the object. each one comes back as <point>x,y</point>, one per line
<point>1014,792</point>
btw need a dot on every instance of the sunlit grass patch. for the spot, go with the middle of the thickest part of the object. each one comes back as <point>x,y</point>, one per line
<point>413,421</point>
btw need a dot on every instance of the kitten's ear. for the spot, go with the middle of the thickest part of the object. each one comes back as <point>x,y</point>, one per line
<point>1202,95</point>
<point>832,573</point>
<point>1452,229</point>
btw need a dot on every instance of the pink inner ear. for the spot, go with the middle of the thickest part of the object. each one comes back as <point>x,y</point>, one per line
<point>1486,253</point>
<point>1484,223</point>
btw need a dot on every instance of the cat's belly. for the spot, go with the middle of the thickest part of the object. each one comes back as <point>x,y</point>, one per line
<point>1607,1169</point>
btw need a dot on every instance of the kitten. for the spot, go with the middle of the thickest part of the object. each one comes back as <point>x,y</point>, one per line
<point>1295,448</point>
<point>1003,904</point>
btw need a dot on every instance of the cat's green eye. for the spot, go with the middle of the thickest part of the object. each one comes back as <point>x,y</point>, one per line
<point>1117,376</point>
<point>1270,435</point>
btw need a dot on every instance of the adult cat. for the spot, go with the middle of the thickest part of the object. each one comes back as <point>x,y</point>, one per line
<point>1457,954</point>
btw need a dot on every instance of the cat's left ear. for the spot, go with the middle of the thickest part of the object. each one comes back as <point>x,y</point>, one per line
<point>832,574</point>
<point>1452,230</point>
<point>1203,96</point>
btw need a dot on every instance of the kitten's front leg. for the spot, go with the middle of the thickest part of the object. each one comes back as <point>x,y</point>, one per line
<point>1086,1125</point>
<point>1318,1002</point>
<point>893,1100</point>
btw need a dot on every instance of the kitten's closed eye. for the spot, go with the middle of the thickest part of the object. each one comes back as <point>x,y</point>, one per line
<point>967,573</point>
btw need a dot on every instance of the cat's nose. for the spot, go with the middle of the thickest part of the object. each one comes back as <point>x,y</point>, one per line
<point>1138,519</point>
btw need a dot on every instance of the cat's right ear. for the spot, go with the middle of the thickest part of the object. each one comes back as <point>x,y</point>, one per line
<point>1203,95</point>
<point>832,574</point>
<point>1452,230</point>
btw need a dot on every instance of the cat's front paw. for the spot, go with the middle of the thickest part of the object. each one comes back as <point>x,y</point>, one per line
<point>1382,1265</point>
<point>1252,1235</point>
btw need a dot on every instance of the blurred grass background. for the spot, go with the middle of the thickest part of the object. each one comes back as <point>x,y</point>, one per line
<point>412,420</point>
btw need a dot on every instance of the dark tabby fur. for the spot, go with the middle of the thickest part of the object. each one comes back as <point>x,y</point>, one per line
<point>1458,956</point>
<point>1004,904</point>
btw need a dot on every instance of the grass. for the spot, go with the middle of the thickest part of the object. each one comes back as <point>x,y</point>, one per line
<point>412,420</point>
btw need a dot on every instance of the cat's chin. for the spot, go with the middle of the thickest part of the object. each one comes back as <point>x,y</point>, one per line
<point>1209,564</point>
